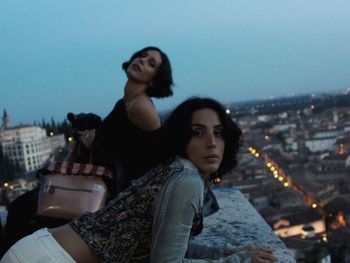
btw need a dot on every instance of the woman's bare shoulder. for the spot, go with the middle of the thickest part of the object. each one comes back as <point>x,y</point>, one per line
<point>142,112</point>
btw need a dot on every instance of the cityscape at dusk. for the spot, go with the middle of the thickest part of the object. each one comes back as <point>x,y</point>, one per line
<point>293,169</point>
<point>280,70</point>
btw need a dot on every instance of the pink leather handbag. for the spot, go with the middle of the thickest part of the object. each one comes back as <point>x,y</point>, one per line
<point>68,189</point>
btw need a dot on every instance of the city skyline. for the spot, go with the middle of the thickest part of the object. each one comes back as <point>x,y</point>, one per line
<point>58,57</point>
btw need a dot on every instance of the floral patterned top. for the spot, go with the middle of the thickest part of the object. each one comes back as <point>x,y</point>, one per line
<point>122,231</point>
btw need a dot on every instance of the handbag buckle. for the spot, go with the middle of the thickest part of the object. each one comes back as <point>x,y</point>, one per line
<point>47,186</point>
<point>97,187</point>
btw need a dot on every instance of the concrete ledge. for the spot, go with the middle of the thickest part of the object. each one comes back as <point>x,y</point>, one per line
<point>239,224</point>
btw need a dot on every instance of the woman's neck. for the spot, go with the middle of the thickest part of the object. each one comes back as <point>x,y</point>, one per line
<point>133,89</point>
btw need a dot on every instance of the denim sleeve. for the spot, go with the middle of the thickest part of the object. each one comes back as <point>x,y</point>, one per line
<point>198,250</point>
<point>177,203</point>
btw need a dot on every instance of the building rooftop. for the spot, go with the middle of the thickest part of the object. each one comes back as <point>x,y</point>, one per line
<point>297,243</point>
<point>341,236</point>
<point>338,204</point>
<point>18,127</point>
<point>303,217</point>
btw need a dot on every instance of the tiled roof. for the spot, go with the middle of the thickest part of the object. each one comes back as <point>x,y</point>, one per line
<point>338,204</point>
<point>304,217</point>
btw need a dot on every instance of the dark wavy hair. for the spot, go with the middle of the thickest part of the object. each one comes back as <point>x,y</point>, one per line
<point>162,83</point>
<point>178,130</point>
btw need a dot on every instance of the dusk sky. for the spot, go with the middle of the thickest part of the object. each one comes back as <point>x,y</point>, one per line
<point>60,56</point>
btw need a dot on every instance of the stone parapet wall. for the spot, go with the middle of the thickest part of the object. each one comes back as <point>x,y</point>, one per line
<point>239,224</point>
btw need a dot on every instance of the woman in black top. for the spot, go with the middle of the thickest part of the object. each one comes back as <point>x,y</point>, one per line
<point>130,138</point>
<point>132,132</point>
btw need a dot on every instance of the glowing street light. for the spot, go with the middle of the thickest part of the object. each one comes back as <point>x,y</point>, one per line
<point>217,180</point>
<point>269,165</point>
<point>280,178</point>
<point>324,238</point>
<point>286,184</point>
<point>314,205</point>
<point>6,184</point>
<point>257,155</point>
<point>70,139</point>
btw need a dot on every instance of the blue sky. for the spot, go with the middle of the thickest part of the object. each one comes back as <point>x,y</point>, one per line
<point>61,56</point>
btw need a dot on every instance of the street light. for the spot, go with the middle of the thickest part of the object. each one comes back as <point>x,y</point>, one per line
<point>324,238</point>
<point>217,180</point>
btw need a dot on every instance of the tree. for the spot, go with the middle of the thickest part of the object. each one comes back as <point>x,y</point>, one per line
<point>53,126</point>
<point>8,171</point>
<point>56,127</point>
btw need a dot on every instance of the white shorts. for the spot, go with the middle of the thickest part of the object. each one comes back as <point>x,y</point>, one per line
<point>39,247</point>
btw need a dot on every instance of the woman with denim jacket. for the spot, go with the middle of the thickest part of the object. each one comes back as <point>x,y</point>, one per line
<point>154,219</point>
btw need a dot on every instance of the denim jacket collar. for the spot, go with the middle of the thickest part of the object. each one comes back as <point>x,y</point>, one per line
<point>210,204</point>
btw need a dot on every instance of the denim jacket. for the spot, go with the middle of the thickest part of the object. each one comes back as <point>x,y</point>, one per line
<point>179,208</point>
<point>154,219</point>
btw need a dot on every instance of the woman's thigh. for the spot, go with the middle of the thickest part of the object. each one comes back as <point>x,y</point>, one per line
<point>39,247</point>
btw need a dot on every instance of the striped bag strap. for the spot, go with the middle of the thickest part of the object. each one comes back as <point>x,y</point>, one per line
<point>76,169</point>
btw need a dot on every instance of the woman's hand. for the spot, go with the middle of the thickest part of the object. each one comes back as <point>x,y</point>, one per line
<point>261,255</point>
<point>258,254</point>
<point>87,137</point>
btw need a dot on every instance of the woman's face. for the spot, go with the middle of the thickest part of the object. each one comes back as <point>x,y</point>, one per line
<point>206,146</point>
<point>145,67</point>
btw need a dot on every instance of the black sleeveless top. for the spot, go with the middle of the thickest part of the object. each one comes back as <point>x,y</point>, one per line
<point>137,150</point>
